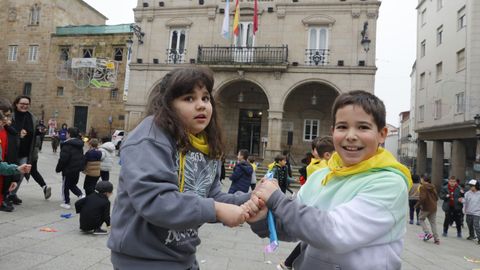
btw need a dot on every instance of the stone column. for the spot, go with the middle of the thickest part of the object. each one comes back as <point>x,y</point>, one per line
<point>437,164</point>
<point>458,159</point>
<point>421,157</point>
<point>274,135</point>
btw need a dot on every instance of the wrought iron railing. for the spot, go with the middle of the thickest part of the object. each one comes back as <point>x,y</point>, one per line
<point>176,56</point>
<point>316,57</point>
<point>242,55</point>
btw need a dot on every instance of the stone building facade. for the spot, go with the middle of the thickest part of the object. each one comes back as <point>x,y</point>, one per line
<point>276,87</point>
<point>30,53</point>
<point>446,94</point>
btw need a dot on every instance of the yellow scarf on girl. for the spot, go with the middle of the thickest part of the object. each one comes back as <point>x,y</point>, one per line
<point>382,159</point>
<point>200,143</point>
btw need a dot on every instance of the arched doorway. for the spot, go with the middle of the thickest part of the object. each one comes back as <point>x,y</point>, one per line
<point>243,108</point>
<point>307,110</point>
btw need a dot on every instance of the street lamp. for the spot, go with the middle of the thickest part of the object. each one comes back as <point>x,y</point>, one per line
<point>365,40</point>
<point>476,120</point>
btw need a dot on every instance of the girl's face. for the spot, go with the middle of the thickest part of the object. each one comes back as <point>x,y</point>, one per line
<point>356,137</point>
<point>23,105</point>
<point>194,109</point>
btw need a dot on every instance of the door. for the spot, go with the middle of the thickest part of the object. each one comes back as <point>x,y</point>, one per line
<point>243,51</point>
<point>80,118</point>
<point>249,125</point>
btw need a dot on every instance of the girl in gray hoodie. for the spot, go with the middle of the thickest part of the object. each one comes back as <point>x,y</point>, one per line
<point>169,181</point>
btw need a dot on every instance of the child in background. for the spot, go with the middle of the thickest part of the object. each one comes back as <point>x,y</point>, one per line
<point>242,173</point>
<point>93,159</point>
<point>253,183</point>
<point>6,168</point>
<point>94,209</point>
<point>108,152</point>
<point>280,172</point>
<point>71,163</point>
<point>471,207</point>
<point>169,181</point>
<point>452,194</point>
<point>62,133</point>
<point>413,198</point>
<point>322,150</point>
<point>427,202</point>
<point>55,140</point>
<point>351,215</point>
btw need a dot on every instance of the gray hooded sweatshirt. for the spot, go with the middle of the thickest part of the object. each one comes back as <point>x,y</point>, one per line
<point>154,226</point>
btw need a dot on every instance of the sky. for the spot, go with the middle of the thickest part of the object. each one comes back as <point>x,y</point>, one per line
<point>395,48</point>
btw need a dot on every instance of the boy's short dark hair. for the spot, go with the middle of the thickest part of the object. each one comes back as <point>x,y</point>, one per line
<point>415,178</point>
<point>103,187</point>
<point>279,158</point>
<point>323,145</point>
<point>93,142</point>
<point>244,153</point>
<point>370,103</point>
<point>5,105</point>
<point>74,132</point>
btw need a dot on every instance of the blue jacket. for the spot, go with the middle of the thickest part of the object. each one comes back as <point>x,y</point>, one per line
<point>241,177</point>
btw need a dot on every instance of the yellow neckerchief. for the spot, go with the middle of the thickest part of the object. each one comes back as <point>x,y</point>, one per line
<point>271,165</point>
<point>200,143</point>
<point>254,166</point>
<point>382,159</point>
<point>315,164</point>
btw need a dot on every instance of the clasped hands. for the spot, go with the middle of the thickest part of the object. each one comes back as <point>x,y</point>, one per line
<point>253,210</point>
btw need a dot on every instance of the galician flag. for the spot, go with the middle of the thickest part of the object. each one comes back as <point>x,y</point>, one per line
<point>236,19</point>
<point>226,21</point>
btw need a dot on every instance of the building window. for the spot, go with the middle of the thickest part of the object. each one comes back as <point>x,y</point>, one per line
<point>27,89</point>
<point>64,53</point>
<point>460,102</point>
<point>438,109</point>
<point>439,4</point>
<point>423,17</point>
<point>439,35</point>
<point>118,54</point>
<point>461,60</point>
<point>35,15</point>
<point>33,53</point>
<point>423,46</point>
<point>176,51</point>
<point>439,71</point>
<point>461,19</point>
<point>317,51</point>
<point>421,113</point>
<point>12,52</point>
<point>87,53</point>
<point>422,80</point>
<point>114,94</point>
<point>60,91</point>
<point>310,129</point>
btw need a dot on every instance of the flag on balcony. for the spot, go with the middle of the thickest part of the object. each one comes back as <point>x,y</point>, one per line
<point>226,21</point>
<point>236,19</point>
<point>255,17</point>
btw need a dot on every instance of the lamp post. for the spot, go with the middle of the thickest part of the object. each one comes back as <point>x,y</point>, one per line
<point>365,42</point>
<point>476,166</point>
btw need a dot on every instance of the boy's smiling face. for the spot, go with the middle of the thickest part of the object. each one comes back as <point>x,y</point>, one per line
<point>356,137</point>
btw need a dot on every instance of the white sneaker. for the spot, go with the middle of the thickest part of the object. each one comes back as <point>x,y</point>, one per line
<point>65,205</point>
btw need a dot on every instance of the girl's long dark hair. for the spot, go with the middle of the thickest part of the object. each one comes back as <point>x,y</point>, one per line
<point>176,83</point>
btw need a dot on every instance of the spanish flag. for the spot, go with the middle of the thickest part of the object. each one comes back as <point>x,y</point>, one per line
<point>236,19</point>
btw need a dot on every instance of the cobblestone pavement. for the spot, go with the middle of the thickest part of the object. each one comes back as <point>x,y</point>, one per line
<point>24,246</point>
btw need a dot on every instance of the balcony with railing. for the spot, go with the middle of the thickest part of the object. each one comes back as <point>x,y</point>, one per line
<point>243,56</point>
<point>176,56</point>
<point>316,57</point>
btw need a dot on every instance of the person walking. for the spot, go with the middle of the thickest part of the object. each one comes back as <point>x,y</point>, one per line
<point>93,161</point>
<point>242,173</point>
<point>427,203</point>
<point>471,207</point>
<point>108,152</point>
<point>413,195</point>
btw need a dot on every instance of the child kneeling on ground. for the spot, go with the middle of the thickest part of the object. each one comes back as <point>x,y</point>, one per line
<point>94,209</point>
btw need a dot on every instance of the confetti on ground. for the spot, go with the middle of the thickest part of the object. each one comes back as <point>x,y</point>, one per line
<point>68,215</point>
<point>268,262</point>
<point>47,229</point>
<point>471,259</point>
<point>421,235</point>
<point>203,261</point>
